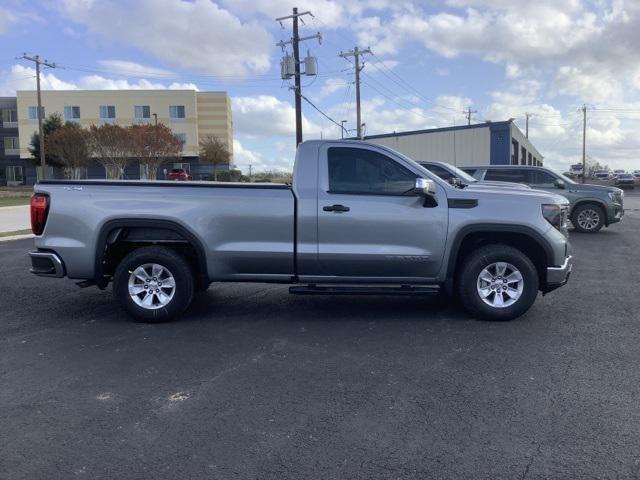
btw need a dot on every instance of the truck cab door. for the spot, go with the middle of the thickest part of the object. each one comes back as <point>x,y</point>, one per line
<point>371,226</point>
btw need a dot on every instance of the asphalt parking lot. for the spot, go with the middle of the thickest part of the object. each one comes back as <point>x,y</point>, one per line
<point>255,383</point>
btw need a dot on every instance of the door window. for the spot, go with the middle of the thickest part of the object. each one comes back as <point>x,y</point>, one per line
<point>361,171</point>
<point>518,175</point>
<point>542,179</point>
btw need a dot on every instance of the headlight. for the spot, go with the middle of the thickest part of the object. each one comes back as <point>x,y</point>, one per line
<point>616,196</point>
<point>556,215</point>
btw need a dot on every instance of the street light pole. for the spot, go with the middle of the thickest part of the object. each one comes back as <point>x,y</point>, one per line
<point>342,130</point>
<point>155,132</point>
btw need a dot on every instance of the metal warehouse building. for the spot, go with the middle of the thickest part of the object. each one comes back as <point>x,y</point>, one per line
<point>490,143</point>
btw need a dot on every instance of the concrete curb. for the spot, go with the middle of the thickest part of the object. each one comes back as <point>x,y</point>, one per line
<point>14,207</point>
<point>16,237</point>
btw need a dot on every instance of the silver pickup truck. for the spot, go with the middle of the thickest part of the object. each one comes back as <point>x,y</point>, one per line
<point>358,219</point>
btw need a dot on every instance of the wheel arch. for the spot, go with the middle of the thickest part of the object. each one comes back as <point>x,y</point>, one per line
<point>117,237</point>
<point>523,238</point>
<point>586,201</point>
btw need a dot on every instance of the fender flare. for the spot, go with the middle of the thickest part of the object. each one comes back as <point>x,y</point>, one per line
<point>601,203</point>
<point>465,231</point>
<point>111,228</point>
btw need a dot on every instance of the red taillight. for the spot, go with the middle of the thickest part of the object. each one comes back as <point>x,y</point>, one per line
<point>39,212</point>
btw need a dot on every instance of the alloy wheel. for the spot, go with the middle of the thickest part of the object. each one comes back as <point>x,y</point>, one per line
<point>151,286</point>
<point>500,285</point>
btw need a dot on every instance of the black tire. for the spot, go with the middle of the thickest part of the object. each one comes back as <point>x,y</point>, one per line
<point>472,267</point>
<point>178,267</point>
<point>596,209</point>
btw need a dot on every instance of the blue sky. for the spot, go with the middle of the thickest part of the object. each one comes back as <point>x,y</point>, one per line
<point>431,60</point>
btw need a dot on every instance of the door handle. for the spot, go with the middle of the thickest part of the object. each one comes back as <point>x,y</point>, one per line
<point>336,208</point>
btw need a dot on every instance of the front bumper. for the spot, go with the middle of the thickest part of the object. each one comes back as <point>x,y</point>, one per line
<point>46,264</point>
<point>558,276</point>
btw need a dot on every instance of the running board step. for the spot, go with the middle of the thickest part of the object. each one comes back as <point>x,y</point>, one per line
<point>364,290</point>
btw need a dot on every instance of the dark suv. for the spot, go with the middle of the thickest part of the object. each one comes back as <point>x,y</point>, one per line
<point>592,206</point>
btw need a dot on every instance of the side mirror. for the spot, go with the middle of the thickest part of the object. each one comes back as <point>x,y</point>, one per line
<point>559,183</point>
<point>425,187</point>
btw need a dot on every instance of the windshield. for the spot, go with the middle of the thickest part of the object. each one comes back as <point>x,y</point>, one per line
<point>448,172</point>
<point>463,175</point>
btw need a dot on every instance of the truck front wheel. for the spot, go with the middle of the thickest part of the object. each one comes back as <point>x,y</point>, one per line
<point>497,282</point>
<point>588,218</point>
<point>153,284</point>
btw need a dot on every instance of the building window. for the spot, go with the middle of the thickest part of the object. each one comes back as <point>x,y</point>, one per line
<point>33,113</point>
<point>9,116</point>
<point>15,175</point>
<point>72,113</point>
<point>142,112</point>
<point>530,159</point>
<point>11,146</point>
<point>176,112</point>
<point>515,147</point>
<point>182,138</point>
<point>107,113</point>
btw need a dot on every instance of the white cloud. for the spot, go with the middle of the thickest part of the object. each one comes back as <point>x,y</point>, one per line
<point>24,78</point>
<point>197,35</point>
<point>331,13</point>
<point>331,86</point>
<point>247,158</point>
<point>594,86</point>
<point>243,157</point>
<point>381,115</point>
<point>125,67</point>
<point>266,116</point>
<point>6,19</point>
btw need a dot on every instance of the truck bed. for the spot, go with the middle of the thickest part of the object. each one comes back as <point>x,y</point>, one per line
<point>245,229</point>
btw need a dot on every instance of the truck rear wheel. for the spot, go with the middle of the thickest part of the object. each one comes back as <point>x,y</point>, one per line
<point>153,284</point>
<point>497,282</point>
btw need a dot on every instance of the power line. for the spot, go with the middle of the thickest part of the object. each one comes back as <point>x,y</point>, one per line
<point>323,114</point>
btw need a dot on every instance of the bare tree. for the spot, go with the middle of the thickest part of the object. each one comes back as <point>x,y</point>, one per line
<point>111,144</point>
<point>153,145</point>
<point>69,144</point>
<point>214,151</point>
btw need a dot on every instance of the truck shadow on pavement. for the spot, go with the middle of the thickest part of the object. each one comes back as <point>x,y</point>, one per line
<point>275,303</point>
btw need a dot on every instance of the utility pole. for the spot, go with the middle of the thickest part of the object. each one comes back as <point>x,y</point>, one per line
<point>584,142</point>
<point>342,128</point>
<point>250,171</point>
<point>470,112</point>
<point>36,59</point>
<point>295,44</point>
<point>356,53</point>
<point>526,128</point>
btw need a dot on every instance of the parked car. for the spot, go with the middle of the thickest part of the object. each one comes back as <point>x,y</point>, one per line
<point>601,174</point>
<point>576,170</point>
<point>625,180</point>
<point>618,172</point>
<point>454,175</point>
<point>592,206</point>
<point>358,218</point>
<point>179,174</point>
<point>636,173</point>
